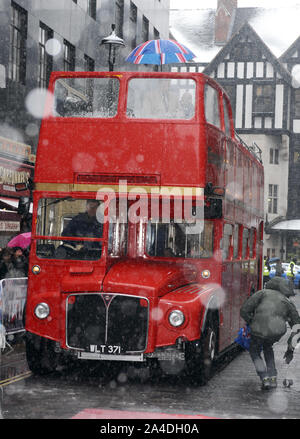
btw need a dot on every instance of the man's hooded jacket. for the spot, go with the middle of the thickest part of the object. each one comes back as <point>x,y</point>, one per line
<point>268,310</point>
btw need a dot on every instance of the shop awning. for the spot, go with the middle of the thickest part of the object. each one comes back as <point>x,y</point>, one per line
<point>9,204</point>
<point>286,225</point>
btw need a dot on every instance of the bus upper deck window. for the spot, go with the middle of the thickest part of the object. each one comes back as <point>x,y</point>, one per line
<point>161,98</point>
<point>212,110</point>
<point>86,97</point>
<point>226,118</point>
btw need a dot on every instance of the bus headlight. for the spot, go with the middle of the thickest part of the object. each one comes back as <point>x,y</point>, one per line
<point>36,269</point>
<point>205,274</point>
<point>176,318</point>
<point>42,310</point>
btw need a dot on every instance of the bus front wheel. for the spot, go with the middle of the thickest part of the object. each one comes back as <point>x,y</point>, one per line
<point>40,354</point>
<point>201,356</point>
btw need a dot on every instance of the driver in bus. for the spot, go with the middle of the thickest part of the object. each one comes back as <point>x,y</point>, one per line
<point>85,225</point>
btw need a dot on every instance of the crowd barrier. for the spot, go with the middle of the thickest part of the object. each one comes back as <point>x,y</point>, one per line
<point>13,293</point>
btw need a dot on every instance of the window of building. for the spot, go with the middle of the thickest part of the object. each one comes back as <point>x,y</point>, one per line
<point>271,252</point>
<point>263,101</point>
<point>45,60</point>
<point>273,198</point>
<point>145,29</point>
<point>297,151</point>
<point>274,156</point>
<point>156,34</point>
<point>92,8</point>
<point>133,24</point>
<point>119,17</point>
<point>69,56</point>
<point>297,102</point>
<point>245,51</point>
<point>212,111</point>
<point>18,36</point>
<point>89,64</point>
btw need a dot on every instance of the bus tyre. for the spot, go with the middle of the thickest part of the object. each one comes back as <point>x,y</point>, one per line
<point>209,349</point>
<point>201,359</point>
<point>40,354</point>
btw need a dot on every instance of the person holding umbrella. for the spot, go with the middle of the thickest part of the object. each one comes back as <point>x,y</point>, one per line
<point>160,52</point>
<point>22,240</point>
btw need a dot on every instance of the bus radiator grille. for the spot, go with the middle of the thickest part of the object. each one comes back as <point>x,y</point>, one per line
<point>107,319</point>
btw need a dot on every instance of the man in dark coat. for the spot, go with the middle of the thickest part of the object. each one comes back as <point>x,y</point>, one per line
<point>85,225</point>
<point>266,312</point>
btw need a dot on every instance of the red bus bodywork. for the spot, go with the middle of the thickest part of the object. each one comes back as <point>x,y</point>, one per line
<point>76,157</point>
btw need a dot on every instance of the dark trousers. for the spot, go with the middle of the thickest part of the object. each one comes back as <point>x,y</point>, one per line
<point>263,368</point>
<point>265,280</point>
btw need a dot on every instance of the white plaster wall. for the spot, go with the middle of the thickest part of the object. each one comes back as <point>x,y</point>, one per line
<point>274,174</point>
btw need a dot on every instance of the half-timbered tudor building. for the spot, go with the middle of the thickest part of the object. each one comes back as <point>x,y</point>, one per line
<point>259,87</point>
<point>291,60</point>
<point>266,108</point>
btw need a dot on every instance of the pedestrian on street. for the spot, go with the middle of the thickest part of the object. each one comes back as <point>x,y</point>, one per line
<point>291,269</point>
<point>279,269</point>
<point>267,269</point>
<point>266,312</point>
<point>5,261</point>
<point>19,266</point>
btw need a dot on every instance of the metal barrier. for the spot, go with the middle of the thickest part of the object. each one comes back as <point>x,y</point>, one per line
<point>13,293</point>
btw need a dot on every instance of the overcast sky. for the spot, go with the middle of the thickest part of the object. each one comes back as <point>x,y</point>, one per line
<point>204,4</point>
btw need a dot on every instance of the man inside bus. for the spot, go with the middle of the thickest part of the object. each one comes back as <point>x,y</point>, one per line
<point>186,106</point>
<point>84,225</point>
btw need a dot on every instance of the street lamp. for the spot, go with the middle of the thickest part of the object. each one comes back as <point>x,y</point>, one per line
<point>113,42</point>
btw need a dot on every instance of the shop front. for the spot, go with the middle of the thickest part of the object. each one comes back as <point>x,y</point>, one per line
<point>16,166</point>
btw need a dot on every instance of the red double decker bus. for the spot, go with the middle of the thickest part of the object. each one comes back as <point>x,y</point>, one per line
<point>147,223</point>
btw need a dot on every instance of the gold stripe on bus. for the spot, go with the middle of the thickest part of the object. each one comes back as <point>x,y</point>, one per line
<point>163,190</point>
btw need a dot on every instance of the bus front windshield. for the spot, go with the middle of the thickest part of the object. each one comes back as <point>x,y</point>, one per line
<point>60,219</point>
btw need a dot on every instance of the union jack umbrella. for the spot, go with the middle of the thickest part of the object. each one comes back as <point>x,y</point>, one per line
<point>160,52</point>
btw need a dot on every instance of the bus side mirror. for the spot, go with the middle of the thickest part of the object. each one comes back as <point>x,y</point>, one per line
<point>213,208</point>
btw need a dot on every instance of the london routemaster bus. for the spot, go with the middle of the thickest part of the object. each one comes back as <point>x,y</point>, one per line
<point>147,223</point>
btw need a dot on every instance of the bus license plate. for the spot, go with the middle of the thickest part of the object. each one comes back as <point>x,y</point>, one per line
<point>106,349</point>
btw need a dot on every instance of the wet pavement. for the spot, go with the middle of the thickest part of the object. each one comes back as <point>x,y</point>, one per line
<point>95,393</point>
